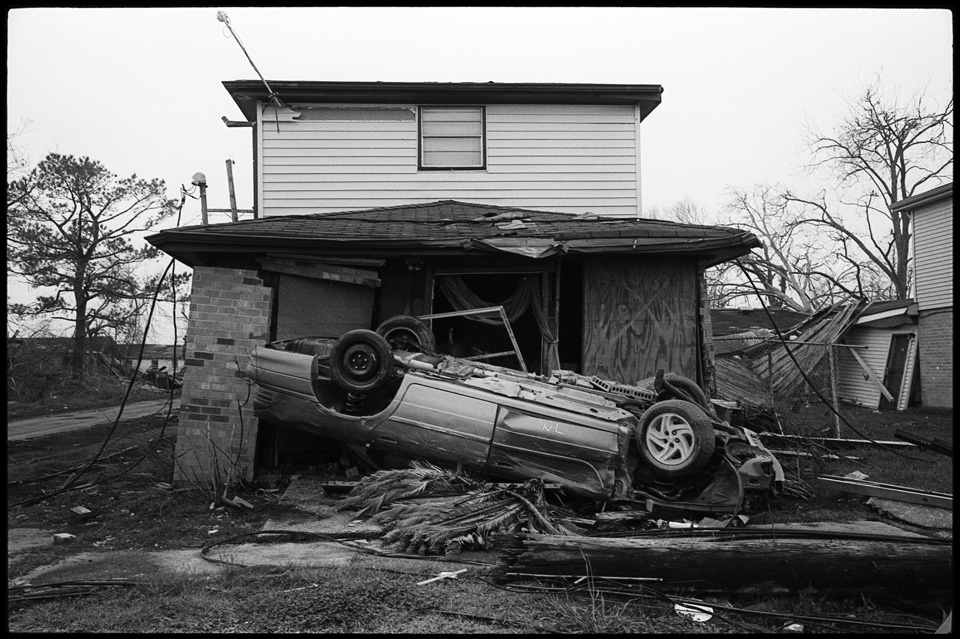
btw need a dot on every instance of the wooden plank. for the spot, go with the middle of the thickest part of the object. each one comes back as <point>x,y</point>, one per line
<point>888,491</point>
<point>834,441</point>
<point>322,271</point>
<point>639,315</point>
<point>871,375</point>
<point>935,444</point>
<point>906,385</point>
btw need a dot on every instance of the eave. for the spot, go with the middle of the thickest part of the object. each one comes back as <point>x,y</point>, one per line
<point>248,93</point>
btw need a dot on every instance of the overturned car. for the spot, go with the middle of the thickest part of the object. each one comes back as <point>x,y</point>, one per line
<point>659,445</point>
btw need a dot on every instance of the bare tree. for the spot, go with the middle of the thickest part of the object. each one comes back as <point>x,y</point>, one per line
<point>796,268</point>
<point>880,153</point>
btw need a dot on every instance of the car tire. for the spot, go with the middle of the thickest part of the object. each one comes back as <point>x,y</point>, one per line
<point>407,333</point>
<point>675,438</point>
<point>361,361</point>
<point>689,387</point>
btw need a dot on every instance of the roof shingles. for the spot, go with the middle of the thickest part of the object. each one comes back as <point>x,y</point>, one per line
<point>452,223</point>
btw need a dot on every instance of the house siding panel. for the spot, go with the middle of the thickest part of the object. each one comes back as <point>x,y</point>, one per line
<point>852,385</point>
<point>548,157</point>
<point>933,245</point>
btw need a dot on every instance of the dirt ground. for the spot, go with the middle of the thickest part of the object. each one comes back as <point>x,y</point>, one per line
<point>145,526</point>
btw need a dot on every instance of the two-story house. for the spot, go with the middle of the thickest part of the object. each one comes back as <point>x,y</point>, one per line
<point>931,216</point>
<point>341,146</point>
<point>376,199</point>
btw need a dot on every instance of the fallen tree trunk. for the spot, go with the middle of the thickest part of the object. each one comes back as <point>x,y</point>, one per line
<point>833,565</point>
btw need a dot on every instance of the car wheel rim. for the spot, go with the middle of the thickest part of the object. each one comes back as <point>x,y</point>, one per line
<point>670,439</point>
<point>361,362</point>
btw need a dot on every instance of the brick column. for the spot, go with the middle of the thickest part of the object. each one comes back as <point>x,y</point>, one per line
<point>229,315</point>
<point>936,357</point>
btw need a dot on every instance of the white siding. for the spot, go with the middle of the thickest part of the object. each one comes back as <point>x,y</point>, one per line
<point>544,157</point>
<point>853,387</point>
<point>933,247</point>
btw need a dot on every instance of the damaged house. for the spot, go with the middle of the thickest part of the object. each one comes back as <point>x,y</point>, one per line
<point>429,199</point>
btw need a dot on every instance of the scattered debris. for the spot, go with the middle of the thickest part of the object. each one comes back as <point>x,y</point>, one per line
<point>443,575</point>
<point>430,510</point>
<point>242,502</point>
<point>80,514</point>
<point>24,592</point>
<point>63,538</point>
<point>694,611</point>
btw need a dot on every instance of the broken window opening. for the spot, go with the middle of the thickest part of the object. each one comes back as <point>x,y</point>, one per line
<point>470,336</point>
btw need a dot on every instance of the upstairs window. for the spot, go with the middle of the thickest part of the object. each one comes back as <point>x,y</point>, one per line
<point>452,138</point>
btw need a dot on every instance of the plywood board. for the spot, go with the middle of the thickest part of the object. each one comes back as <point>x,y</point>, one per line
<point>639,315</point>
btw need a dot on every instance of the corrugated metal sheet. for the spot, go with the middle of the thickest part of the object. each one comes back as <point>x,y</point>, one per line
<point>768,369</point>
<point>783,365</point>
<point>736,381</point>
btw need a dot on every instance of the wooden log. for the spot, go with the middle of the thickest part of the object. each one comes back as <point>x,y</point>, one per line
<point>832,565</point>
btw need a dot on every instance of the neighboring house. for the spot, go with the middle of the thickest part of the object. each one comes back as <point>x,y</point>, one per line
<point>932,221</point>
<point>341,146</point>
<point>378,199</point>
<point>154,356</point>
<point>876,367</point>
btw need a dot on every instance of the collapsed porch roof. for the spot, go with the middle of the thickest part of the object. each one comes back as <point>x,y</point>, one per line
<point>453,228</point>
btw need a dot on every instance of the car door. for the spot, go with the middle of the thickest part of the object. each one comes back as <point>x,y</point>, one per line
<point>440,420</point>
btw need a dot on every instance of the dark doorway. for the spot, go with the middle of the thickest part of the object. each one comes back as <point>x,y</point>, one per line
<point>896,364</point>
<point>570,321</point>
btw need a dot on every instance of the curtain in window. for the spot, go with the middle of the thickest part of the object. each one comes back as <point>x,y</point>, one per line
<point>527,295</point>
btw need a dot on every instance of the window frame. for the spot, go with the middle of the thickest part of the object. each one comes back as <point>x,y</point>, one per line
<point>483,138</point>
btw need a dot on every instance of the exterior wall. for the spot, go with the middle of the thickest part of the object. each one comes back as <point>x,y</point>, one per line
<point>229,315</point>
<point>933,265</point>
<point>933,255</point>
<point>852,385</point>
<point>936,358</point>
<point>562,158</point>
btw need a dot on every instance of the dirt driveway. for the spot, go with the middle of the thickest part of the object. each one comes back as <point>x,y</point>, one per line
<point>31,427</point>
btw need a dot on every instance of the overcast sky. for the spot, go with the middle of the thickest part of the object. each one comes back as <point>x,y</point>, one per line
<point>140,90</point>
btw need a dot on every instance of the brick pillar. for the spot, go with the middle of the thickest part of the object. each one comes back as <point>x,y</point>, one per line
<point>936,357</point>
<point>229,315</point>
